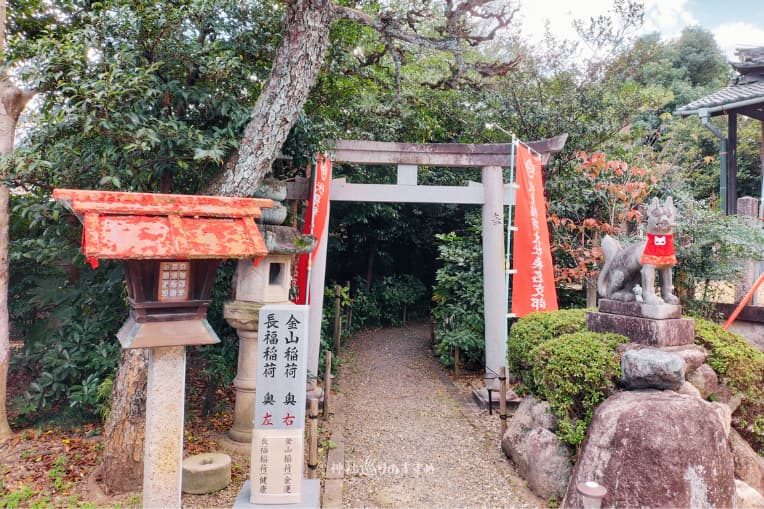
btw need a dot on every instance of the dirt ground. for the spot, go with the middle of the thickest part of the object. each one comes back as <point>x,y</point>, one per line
<point>413,437</point>
<point>408,413</point>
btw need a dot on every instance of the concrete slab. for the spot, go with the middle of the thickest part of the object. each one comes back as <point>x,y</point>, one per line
<point>335,461</point>
<point>481,398</point>
<point>163,448</point>
<point>332,494</point>
<point>311,497</point>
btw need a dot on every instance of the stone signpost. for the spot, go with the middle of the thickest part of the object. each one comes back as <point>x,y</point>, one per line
<point>279,417</point>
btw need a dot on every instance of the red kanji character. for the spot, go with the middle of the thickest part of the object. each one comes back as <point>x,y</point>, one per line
<point>288,419</point>
<point>267,419</point>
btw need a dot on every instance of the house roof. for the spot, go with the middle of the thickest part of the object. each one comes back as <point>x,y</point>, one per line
<point>166,226</point>
<point>744,95</point>
<point>747,96</point>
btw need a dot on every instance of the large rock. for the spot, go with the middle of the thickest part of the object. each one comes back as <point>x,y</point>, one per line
<point>729,396</point>
<point>705,379</point>
<point>650,368</point>
<point>724,414</point>
<point>689,390</point>
<point>549,465</point>
<point>747,497</point>
<point>749,466</point>
<point>656,449</point>
<point>541,458</point>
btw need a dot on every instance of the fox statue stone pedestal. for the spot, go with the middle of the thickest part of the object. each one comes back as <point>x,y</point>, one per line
<point>629,304</point>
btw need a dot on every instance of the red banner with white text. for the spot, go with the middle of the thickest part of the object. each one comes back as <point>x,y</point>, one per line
<point>533,282</point>
<point>316,221</point>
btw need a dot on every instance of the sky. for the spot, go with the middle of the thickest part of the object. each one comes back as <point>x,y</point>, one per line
<point>733,22</point>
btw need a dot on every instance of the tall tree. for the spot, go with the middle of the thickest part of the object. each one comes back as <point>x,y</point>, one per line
<point>154,95</point>
<point>12,102</point>
<point>304,43</point>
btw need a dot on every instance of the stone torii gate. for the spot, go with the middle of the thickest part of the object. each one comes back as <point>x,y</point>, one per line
<point>492,193</point>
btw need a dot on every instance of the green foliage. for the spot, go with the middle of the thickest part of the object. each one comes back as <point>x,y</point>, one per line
<point>732,357</point>
<point>66,312</point>
<point>458,296</point>
<point>710,245</point>
<point>401,297</point>
<point>163,95</point>
<point>14,499</point>
<point>534,330</point>
<point>741,366</point>
<point>575,373</point>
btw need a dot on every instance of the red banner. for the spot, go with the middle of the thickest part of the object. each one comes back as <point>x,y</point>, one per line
<point>316,221</point>
<point>533,282</point>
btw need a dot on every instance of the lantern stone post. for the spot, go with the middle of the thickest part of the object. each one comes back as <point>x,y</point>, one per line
<point>171,246</point>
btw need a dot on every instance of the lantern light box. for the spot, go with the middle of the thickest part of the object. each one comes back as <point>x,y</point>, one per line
<point>171,246</point>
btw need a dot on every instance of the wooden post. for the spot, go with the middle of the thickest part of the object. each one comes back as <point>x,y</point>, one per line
<point>337,318</point>
<point>313,448</point>
<point>349,316</point>
<point>503,399</point>
<point>732,163</point>
<point>457,361</point>
<point>327,383</point>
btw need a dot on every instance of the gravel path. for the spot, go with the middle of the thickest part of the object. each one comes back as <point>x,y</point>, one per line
<point>412,438</point>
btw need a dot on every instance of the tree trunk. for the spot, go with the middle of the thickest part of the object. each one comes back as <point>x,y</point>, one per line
<point>12,102</point>
<point>5,345</point>
<point>124,433</point>
<point>591,292</point>
<point>294,72</point>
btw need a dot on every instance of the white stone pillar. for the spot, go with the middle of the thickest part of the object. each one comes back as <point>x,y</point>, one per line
<point>493,272</point>
<point>316,294</point>
<point>245,381</point>
<point>243,316</point>
<point>163,449</point>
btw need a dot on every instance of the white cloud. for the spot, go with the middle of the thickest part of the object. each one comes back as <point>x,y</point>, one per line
<point>731,35</point>
<point>533,15</point>
<point>668,17</point>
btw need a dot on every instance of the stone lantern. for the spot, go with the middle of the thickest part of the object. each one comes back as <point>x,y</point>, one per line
<point>171,246</point>
<point>267,281</point>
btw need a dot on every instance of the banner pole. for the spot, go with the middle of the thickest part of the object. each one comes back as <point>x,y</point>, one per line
<point>508,251</point>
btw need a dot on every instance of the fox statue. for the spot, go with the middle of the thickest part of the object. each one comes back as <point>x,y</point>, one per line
<point>635,266</point>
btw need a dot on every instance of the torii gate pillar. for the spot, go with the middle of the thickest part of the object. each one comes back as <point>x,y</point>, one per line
<point>493,273</point>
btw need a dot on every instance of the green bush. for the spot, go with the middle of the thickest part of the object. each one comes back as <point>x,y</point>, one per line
<point>733,358</point>
<point>575,373</point>
<point>535,329</point>
<point>401,297</point>
<point>458,295</point>
<point>741,366</point>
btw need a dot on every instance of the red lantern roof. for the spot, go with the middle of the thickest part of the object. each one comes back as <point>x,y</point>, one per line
<point>166,226</point>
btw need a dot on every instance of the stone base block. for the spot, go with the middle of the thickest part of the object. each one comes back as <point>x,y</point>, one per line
<point>646,331</point>
<point>310,499</point>
<point>481,397</point>
<point>640,309</point>
<point>231,446</point>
